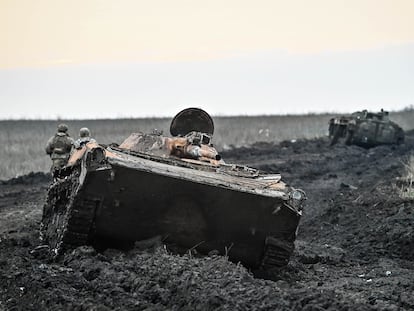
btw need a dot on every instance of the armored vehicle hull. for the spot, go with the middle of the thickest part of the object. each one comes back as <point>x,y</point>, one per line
<point>365,129</point>
<point>122,195</point>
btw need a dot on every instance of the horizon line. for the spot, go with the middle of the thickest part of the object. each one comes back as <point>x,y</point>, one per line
<point>409,108</point>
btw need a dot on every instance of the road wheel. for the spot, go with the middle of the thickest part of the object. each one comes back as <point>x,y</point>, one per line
<point>337,133</point>
<point>348,138</point>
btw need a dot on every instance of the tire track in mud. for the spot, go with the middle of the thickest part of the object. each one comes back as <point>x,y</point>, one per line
<point>354,249</point>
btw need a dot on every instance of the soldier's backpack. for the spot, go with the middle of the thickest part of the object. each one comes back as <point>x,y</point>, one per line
<point>60,144</point>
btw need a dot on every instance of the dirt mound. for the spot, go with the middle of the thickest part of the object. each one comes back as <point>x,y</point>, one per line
<point>29,179</point>
<point>354,249</point>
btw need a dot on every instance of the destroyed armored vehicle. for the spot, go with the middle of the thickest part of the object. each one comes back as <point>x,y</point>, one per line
<point>365,129</point>
<point>177,188</point>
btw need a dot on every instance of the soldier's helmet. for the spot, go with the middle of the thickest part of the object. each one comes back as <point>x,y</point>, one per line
<point>63,128</point>
<point>84,132</point>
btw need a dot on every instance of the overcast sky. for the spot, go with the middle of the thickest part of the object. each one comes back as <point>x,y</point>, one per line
<point>102,58</point>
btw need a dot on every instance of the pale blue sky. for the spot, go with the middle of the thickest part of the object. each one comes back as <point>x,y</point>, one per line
<point>136,58</point>
<point>272,82</point>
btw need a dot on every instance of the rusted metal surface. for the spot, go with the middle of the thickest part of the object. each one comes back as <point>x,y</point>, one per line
<point>215,177</point>
<point>176,187</point>
<point>191,119</point>
<point>77,155</point>
<point>181,147</point>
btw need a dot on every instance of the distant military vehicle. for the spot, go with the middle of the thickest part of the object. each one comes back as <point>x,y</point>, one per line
<point>365,129</point>
<point>175,187</point>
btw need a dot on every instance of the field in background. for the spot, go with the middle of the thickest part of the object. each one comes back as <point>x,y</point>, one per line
<point>23,141</point>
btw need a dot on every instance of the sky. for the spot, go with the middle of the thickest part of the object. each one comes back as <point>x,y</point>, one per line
<point>136,58</point>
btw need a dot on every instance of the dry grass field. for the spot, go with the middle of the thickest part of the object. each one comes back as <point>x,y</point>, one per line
<point>23,141</point>
<point>354,248</point>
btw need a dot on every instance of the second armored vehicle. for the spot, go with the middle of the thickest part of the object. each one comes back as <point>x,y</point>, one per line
<point>366,129</point>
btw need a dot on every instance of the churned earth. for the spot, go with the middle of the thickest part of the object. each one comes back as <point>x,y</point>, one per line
<point>355,247</point>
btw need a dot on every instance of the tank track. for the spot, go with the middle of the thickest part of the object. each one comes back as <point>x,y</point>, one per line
<point>67,219</point>
<point>276,253</point>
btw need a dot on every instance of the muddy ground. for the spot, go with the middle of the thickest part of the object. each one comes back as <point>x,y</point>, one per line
<point>355,247</point>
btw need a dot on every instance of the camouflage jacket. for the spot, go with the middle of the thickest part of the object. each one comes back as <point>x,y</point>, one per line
<point>80,142</point>
<point>59,146</point>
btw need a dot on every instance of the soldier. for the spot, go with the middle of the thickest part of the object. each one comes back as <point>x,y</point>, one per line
<point>84,138</point>
<point>59,147</point>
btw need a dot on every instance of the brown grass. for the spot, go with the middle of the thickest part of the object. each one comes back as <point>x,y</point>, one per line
<point>23,141</point>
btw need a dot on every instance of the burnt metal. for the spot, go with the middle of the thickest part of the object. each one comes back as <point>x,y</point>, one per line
<point>128,194</point>
<point>191,119</point>
<point>365,129</point>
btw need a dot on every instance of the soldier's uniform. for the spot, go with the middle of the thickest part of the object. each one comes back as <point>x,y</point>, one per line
<point>59,147</point>
<point>84,138</point>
